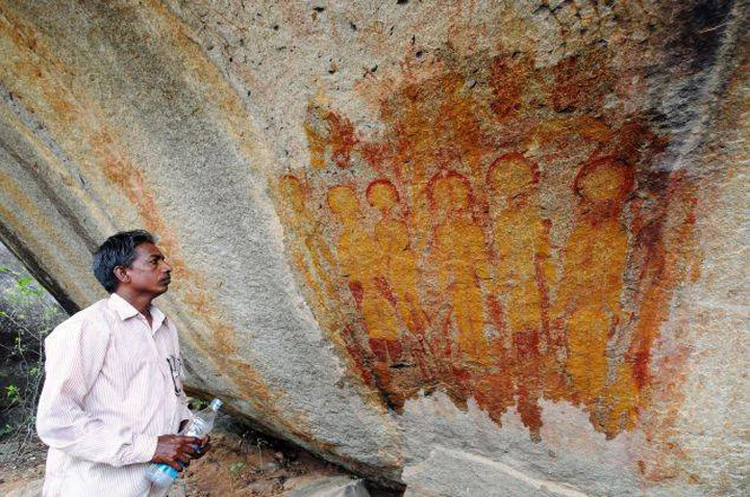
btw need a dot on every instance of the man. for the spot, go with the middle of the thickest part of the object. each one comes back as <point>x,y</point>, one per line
<point>113,394</point>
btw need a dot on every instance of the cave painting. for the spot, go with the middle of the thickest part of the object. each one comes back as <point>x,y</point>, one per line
<point>362,262</point>
<point>331,138</point>
<point>460,255</point>
<point>311,254</point>
<point>506,245</point>
<point>588,297</point>
<point>524,271</point>
<point>400,261</point>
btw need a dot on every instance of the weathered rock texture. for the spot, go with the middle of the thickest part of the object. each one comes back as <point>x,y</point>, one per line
<point>480,248</point>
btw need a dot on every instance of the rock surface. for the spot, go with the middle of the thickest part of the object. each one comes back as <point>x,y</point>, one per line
<point>415,237</point>
<point>31,489</point>
<point>333,487</point>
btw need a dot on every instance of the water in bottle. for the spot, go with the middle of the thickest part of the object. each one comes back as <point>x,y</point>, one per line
<point>162,475</point>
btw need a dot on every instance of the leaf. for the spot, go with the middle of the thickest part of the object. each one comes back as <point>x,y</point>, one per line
<point>12,393</point>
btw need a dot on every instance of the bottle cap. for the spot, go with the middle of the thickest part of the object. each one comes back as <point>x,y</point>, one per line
<point>169,470</point>
<point>216,404</point>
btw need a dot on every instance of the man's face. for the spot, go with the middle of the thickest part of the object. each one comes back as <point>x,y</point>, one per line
<point>150,272</point>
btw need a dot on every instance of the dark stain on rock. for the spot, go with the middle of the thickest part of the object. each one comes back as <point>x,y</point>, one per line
<point>61,207</point>
<point>702,31</point>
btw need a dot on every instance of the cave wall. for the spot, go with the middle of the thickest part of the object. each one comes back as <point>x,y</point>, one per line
<point>459,245</point>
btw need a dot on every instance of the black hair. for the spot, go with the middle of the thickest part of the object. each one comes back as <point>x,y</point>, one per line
<point>117,250</point>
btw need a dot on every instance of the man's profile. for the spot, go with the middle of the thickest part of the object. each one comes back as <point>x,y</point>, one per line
<point>112,396</point>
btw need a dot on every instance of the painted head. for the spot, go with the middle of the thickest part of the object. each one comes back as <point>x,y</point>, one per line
<point>382,195</point>
<point>131,259</point>
<point>449,192</point>
<point>512,174</point>
<point>293,192</point>
<point>343,203</point>
<point>606,180</point>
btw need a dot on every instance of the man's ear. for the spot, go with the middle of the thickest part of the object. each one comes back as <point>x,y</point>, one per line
<point>121,274</point>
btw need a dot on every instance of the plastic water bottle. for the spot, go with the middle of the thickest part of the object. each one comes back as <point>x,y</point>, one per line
<point>162,475</point>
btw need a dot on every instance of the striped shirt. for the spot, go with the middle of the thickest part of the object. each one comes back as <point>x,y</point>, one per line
<point>112,387</point>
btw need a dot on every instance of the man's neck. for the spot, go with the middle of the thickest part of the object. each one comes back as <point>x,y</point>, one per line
<point>141,302</point>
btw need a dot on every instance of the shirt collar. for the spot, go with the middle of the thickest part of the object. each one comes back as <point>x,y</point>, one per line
<point>125,310</point>
<point>122,307</point>
<point>157,316</point>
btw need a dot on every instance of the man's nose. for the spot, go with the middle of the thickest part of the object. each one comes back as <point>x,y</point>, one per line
<point>166,267</point>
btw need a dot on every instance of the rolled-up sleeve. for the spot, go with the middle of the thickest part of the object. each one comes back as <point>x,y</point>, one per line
<point>75,355</point>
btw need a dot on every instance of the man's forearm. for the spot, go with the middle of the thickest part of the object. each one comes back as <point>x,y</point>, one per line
<point>84,437</point>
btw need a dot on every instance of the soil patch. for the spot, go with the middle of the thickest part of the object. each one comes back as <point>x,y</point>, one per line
<point>242,463</point>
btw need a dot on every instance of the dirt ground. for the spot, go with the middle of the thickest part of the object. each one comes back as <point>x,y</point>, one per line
<point>18,470</point>
<point>242,463</point>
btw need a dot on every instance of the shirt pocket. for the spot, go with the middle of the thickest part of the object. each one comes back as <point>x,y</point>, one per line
<point>175,372</point>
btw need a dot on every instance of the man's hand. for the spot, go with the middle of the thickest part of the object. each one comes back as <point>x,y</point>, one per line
<point>204,445</point>
<point>176,450</point>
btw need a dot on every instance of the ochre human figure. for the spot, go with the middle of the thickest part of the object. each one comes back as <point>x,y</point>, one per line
<point>670,259</point>
<point>402,274</point>
<point>521,241</point>
<point>311,254</point>
<point>363,265</point>
<point>524,267</point>
<point>460,252</point>
<point>399,259</point>
<point>588,298</point>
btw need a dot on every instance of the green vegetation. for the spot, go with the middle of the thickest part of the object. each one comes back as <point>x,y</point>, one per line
<point>27,315</point>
